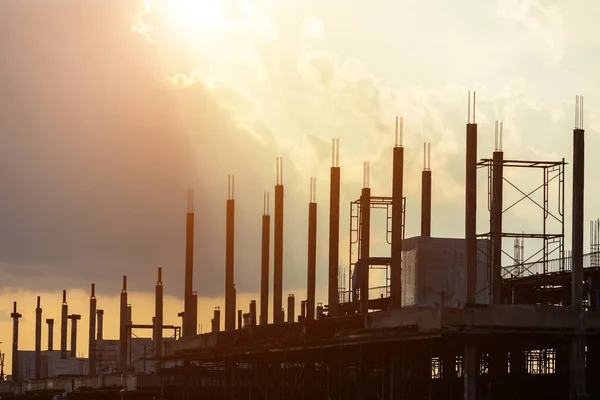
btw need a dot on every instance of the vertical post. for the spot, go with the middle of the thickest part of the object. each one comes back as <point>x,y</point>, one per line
<point>158,318</point>
<point>74,318</point>
<point>63,327</point>
<point>92,334</point>
<point>38,340</point>
<point>471,205</point>
<point>229,257</point>
<point>278,248</point>
<point>578,203</point>
<point>123,321</point>
<point>15,344</point>
<point>264,263</point>
<point>397,220</point>
<point>50,322</point>
<point>190,303</point>
<point>252,312</point>
<point>291,309</point>
<point>100,316</point>
<point>217,320</point>
<point>312,252</point>
<point>239,318</point>
<point>470,368</point>
<point>365,242</point>
<point>426,193</point>
<point>577,343</point>
<point>334,230</point>
<point>496,217</point>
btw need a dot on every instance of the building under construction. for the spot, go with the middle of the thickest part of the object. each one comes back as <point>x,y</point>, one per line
<point>452,319</point>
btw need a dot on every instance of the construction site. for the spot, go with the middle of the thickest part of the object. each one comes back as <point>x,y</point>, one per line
<point>453,318</point>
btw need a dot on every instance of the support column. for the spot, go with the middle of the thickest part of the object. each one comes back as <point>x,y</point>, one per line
<point>365,244</point>
<point>278,248</point>
<point>471,206</point>
<point>397,217</point>
<point>63,327</point>
<point>100,317</point>
<point>496,217</point>
<point>312,252</point>
<point>264,263</point>
<point>229,258</point>
<point>334,230</point>
<point>190,319</point>
<point>470,372</point>
<point>291,309</point>
<point>577,389</point>
<point>426,193</point>
<point>123,321</point>
<point>74,318</point>
<point>578,203</point>
<point>38,340</point>
<point>158,319</point>
<point>50,322</point>
<point>92,334</point>
<point>15,344</point>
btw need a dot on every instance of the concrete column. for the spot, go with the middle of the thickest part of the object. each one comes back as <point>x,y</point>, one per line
<point>123,321</point>
<point>190,306</point>
<point>264,265</point>
<point>397,219</point>
<point>38,340</point>
<point>312,254</point>
<point>50,322</point>
<point>471,213</point>
<point>63,327</point>
<point>334,231</point>
<point>470,372</point>
<point>158,319</point>
<point>74,318</point>
<point>92,334</point>
<point>496,225</point>
<point>291,309</point>
<point>229,260</point>
<point>278,248</point>
<point>577,389</point>
<point>100,317</point>
<point>15,348</point>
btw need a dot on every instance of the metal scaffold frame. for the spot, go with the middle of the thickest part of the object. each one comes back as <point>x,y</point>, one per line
<point>379,203</point>
<point>553,172</point>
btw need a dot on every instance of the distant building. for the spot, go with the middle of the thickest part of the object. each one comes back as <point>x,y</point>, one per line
<point>52,365</point>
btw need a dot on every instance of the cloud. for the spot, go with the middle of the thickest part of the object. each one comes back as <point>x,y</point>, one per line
<point>543,22</point>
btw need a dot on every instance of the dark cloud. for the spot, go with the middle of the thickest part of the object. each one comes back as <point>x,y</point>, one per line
<point>98,149</point>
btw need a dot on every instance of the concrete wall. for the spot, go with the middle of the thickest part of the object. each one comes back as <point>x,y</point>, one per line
<point>434,272</point>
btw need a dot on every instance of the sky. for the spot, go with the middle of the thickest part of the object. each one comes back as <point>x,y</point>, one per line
<point>110,111</point>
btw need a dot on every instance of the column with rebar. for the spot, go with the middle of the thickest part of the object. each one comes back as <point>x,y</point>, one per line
<point>229,257</point>
<point>365,242</point>
<point>426,191</point>
<point>123,321</point>
<point>334,229</point>
<point>264,262</point>
<point>38,340</point>
<point>63,326</point>
<point>397,220</point>
<point>100,319</point>
<point>278,248</point>
<point>190,312</point>
<point>158,318</point>
<point>92,334</point>
<point>577,345</point>
<point>496,215</point>
<point>471,205</point>
<point>312,251</point>
<point>15,344</point>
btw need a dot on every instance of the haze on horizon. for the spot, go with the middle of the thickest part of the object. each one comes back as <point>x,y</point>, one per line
<point>111,110</point>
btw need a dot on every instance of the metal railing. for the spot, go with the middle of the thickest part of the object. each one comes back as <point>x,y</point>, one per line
<point>555,265</point>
